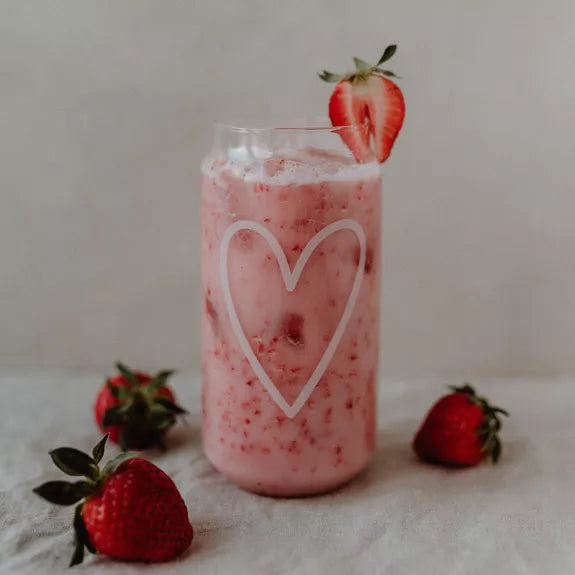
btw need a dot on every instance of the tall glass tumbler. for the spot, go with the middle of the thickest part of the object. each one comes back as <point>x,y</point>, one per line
<point>291,227</point>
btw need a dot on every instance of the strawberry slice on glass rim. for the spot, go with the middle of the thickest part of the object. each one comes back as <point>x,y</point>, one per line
<point>367,98</point>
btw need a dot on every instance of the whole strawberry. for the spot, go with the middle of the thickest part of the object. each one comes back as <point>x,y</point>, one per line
<point>128,510</point>
<point>136,409</point>
<point>460,430</point>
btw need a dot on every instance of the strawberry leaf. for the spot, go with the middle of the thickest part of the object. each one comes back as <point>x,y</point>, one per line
<point>389,74</point>
<point>164,423</point>
<point>465,388</point>
<point>99,448</point>
<point>64,492</point>
<point>496,450</point>
<point>361,64</point>
<point>74,462</point>
<point>160,380</point>
<point>114,389</point>
<point>330,76</point>
<point>114,416</point>
<point>126,437</point>
<point>170,406</point>
<point>80,530</point>
<point>127,374</point>
<point>164,375</point>
<point>387,54</point>
<point>484,431</point>
<point>120,393</point>
<point>78,555</point>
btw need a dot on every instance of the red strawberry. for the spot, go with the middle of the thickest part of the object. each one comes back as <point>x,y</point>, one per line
<point>460,430</point>
<point>368,99</point>
<point>129,510</point>
<point>136,409</point>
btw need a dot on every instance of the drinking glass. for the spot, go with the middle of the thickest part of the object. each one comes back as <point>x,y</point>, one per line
<point>291,226</point>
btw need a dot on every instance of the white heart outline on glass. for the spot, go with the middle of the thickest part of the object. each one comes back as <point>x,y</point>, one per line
<point>291,279</point>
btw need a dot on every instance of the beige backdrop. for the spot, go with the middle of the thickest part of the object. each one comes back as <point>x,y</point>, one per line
<point>106,110</point>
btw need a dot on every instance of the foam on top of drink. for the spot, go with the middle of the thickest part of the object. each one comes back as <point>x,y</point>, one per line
<point>288,166</point>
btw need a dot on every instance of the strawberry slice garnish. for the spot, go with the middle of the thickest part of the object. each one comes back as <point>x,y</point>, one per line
<point>368,99</point>
<point>347,110</point>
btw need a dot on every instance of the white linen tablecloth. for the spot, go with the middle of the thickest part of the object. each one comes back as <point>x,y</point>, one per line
<point>399,517</point>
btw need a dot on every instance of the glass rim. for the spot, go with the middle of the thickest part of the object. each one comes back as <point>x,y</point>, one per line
<point>237,128</point>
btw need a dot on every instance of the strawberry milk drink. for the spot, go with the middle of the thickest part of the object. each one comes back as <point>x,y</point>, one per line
<point>291,225</point>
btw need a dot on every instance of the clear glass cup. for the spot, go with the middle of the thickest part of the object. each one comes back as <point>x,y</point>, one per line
<point>291,227</point>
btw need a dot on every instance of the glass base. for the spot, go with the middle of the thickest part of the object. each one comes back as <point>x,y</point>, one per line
<point>305,487</point>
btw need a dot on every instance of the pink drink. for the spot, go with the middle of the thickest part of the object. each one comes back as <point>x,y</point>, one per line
<point>289,387</point>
